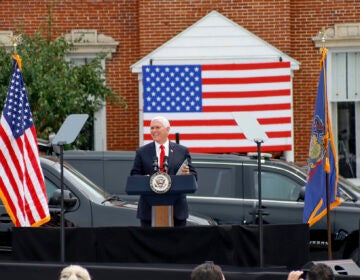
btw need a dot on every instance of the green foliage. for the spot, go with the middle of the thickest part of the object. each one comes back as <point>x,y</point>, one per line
<point>57,88</point>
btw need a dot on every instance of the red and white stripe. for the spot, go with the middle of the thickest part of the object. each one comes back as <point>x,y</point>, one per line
<point>263,90</point>
<point>22,186</point>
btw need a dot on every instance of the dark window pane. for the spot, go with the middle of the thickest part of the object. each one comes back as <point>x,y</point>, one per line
<point>346,139</point>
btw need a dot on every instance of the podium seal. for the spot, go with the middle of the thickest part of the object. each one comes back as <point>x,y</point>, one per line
<point>160,182</point>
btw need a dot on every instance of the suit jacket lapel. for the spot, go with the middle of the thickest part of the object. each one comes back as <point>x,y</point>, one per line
<point>151,153</point>
<point>171,156</point>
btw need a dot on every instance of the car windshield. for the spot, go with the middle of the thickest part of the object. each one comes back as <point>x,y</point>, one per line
<point>345,185</point>
<point>354,184</point>
<point>86,186</point>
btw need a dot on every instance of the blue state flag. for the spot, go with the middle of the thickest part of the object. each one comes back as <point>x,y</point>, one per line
<point>322,161</point>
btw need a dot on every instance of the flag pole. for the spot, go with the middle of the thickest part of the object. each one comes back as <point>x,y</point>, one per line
<point>15,41</point>
<point>326,144</point>
<point>327,172</point>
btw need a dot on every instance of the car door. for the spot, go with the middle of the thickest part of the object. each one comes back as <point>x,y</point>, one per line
<point>219,193</point>
<point>5,233</point>
<point>280,189</point>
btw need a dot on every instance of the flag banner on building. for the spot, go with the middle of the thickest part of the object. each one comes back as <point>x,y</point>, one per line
<point>199,101</point>
<point>322,161</point>
<point>22,186</point>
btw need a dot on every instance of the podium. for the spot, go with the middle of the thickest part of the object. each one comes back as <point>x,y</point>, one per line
<point>161,203</point>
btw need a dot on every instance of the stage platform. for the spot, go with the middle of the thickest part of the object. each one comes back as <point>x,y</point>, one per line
<point>284,245</point>
<point>158,253</point>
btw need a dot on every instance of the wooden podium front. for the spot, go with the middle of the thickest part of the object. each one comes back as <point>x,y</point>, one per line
<point>162,204</point>
<point>162,216</point>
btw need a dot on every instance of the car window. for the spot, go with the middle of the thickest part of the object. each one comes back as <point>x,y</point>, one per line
<point>116,174</point>
<point>108,171</point>
<point>86,186</point>
<point>75,178</point>
<point>276,186</point>
<point>215,180</point>
<point>50,187</point>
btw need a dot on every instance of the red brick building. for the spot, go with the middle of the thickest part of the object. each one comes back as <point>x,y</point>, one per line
<point>131,29</point>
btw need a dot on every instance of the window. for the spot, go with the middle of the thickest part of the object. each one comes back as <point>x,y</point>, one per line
<point>88,44</point>
<point>216,181</point>
<point>345,74</point>
<point>343,88</point>
<point>97,134</point>
<point>50,188</point>
<point>344,94</point>
<point>276,186</point>
<point>346,139</point>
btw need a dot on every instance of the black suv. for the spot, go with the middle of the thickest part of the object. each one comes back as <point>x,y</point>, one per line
<point>228,192</point>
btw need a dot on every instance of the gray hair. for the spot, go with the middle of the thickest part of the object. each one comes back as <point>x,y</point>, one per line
<point>163,120</point>
<point>75,272</point>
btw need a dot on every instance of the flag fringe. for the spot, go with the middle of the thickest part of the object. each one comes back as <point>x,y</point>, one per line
<point>323,56</point>
<point>18,60</point>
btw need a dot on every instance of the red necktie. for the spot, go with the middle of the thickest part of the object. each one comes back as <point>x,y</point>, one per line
<point>162,155</point>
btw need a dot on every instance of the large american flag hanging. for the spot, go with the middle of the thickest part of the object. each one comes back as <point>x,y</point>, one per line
<point>22,187</point>
<point>199,101</point>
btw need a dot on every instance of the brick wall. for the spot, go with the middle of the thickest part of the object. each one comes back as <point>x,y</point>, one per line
<point>143,25</point>
<point>307,19</point>
<point>117,19</point>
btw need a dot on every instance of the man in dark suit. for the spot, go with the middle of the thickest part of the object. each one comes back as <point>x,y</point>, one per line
<point>143,165</point>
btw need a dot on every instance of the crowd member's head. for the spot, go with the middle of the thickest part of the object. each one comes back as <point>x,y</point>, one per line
<point>74,272</point>
<point>320,271</point>
<point>207,271</point>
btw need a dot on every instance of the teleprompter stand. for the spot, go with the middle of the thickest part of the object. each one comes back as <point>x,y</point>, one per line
<point>67,133</point>
<point>254,132</point>
<point>162,203</point>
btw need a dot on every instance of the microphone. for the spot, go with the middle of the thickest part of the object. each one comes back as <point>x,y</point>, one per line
<point>166,163</point>
<point>155,164</point>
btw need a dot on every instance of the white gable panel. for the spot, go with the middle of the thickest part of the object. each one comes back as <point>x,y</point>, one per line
<point>214,39</point>
<point>214,31</point>
<point>221,51</point>
<point>215,19</point>
<point>238,42</point>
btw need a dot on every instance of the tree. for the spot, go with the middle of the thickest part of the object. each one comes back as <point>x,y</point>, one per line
<point>56,88</point>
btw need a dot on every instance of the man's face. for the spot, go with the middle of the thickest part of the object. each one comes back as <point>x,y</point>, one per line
<point>159,132</point>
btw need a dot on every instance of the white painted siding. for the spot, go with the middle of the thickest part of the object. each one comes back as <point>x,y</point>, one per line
<point>214,39</point>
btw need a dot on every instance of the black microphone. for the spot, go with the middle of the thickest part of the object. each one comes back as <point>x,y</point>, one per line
<point>155,164</point>
<point>166,163</point>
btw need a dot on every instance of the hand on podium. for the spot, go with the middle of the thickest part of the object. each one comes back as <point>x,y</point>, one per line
<point>185,170</point>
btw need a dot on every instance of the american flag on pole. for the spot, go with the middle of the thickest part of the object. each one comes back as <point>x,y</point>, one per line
<point>199,101</point>
<point>22,187</point>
